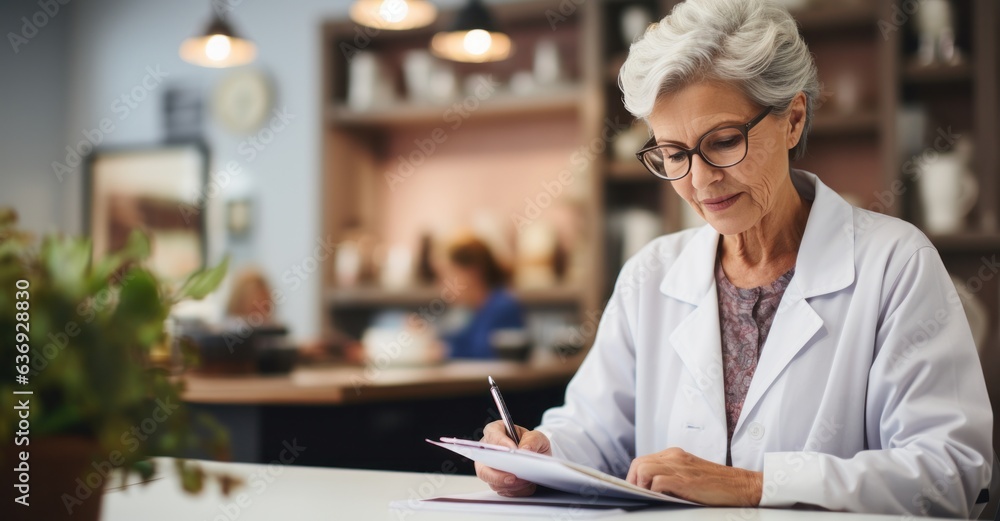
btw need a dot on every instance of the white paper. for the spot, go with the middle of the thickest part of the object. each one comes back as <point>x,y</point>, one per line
<point>554,472</point>
<point>554,504</point>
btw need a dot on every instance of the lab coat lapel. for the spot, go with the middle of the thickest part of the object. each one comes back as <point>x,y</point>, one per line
<point>696,339</point>
<point>794,324</point>
<point>824,264</point>
<point>698,343</point>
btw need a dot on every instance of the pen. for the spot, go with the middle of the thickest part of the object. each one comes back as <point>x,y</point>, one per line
<point>504,413</point>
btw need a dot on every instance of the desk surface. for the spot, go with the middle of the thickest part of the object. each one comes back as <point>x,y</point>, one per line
<point>353,384</point>
<point>314,494</point>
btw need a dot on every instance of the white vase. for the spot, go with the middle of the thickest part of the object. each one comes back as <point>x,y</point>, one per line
<point>417,67</point>
<point>634,22</point>
<point>369,84</point>
<point>948,191</point>
<point>936,31</point>
<point>627,143</point>
<point>548,64</point>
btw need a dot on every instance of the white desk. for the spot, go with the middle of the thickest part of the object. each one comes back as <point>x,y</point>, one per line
<point>281,493</point>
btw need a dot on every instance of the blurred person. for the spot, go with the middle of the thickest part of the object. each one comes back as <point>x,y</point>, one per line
<point>250,298</point>
<point>479,282</point>
<point>252,301</point>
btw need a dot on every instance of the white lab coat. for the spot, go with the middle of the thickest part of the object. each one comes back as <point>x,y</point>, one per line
<point>868,395</point>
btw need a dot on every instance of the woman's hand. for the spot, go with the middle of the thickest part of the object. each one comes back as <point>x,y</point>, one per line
<point>684,475</point>
<point>505,483</point>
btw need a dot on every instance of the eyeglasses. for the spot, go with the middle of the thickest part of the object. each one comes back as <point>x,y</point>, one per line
<point>722,148</point>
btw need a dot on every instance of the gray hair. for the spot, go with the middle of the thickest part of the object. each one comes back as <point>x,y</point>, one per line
<point>753,44</point>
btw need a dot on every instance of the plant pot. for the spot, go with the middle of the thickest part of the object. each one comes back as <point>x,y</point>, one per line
<point>64,482</point>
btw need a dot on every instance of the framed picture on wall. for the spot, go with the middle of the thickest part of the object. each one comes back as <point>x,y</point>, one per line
<point>158,189</point>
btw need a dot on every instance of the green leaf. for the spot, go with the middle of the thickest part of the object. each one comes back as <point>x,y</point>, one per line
<point>192,477</point>
<point>137,247</point>
<point>140,309</point>
<point>218,437</point>
<point>11,248</point>
<point>60,419</point>
<point>136,250</point>
<point>203,282</point>
<point>67,261</point>
<point>141,292</point>
<point>145,468</point>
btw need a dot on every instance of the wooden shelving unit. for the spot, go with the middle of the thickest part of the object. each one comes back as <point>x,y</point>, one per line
<point>622,170</point>
<point>832,18</point>
<point>503,105</point>
<point>375,297</point>
<point>826,124</point>
<point>971,243</point>
<point>916,74</point>
<point>361,145</point>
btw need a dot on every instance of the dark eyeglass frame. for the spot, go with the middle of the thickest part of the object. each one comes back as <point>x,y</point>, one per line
<point>743,129</point>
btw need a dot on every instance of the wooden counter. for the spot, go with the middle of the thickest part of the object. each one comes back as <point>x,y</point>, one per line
<point>354,384</point>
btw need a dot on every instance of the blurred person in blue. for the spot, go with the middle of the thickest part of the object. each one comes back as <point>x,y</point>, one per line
<point>482,304</point>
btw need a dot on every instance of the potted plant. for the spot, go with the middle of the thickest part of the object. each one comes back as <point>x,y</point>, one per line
<point>85,381</point>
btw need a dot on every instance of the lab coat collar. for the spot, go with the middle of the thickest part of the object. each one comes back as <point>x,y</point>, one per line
<point>693,273</point>
<point>825,262</point>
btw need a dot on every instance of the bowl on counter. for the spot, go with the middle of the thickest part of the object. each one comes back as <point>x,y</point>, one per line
<point>511,344</point>
<point>238,350</point>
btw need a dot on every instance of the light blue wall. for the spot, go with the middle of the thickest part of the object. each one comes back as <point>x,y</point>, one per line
<point>34,83</point>
<point>68,78</point>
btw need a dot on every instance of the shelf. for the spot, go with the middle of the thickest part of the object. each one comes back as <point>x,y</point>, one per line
<point>836,124</point>
<point>967,242</point>
<point>915,74</point>
<point>361,297</point>
<point>557,296</point>
<point>502,104</point>
<point>375,297</point>
<point>837,18</point>
<point>625,170</point>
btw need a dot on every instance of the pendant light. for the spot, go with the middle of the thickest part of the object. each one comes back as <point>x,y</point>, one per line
<point>472,38</point>
<point>394,15</point>
<point>218,47</point>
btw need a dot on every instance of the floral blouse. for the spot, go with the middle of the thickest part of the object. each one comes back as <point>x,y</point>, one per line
<point>745,316</point>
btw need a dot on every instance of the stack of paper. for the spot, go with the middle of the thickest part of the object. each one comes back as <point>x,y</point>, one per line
<point>544,502</point>
<point>589,492</point>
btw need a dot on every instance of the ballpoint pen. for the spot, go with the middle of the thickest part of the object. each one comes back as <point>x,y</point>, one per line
<point>504,413</point>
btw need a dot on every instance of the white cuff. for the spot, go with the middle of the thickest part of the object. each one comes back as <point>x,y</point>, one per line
<point>791,478</point>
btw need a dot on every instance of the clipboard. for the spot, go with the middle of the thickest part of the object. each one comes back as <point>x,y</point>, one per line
<point>555,473</point>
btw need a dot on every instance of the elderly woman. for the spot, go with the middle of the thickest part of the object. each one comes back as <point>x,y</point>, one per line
<point>795,350</point>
